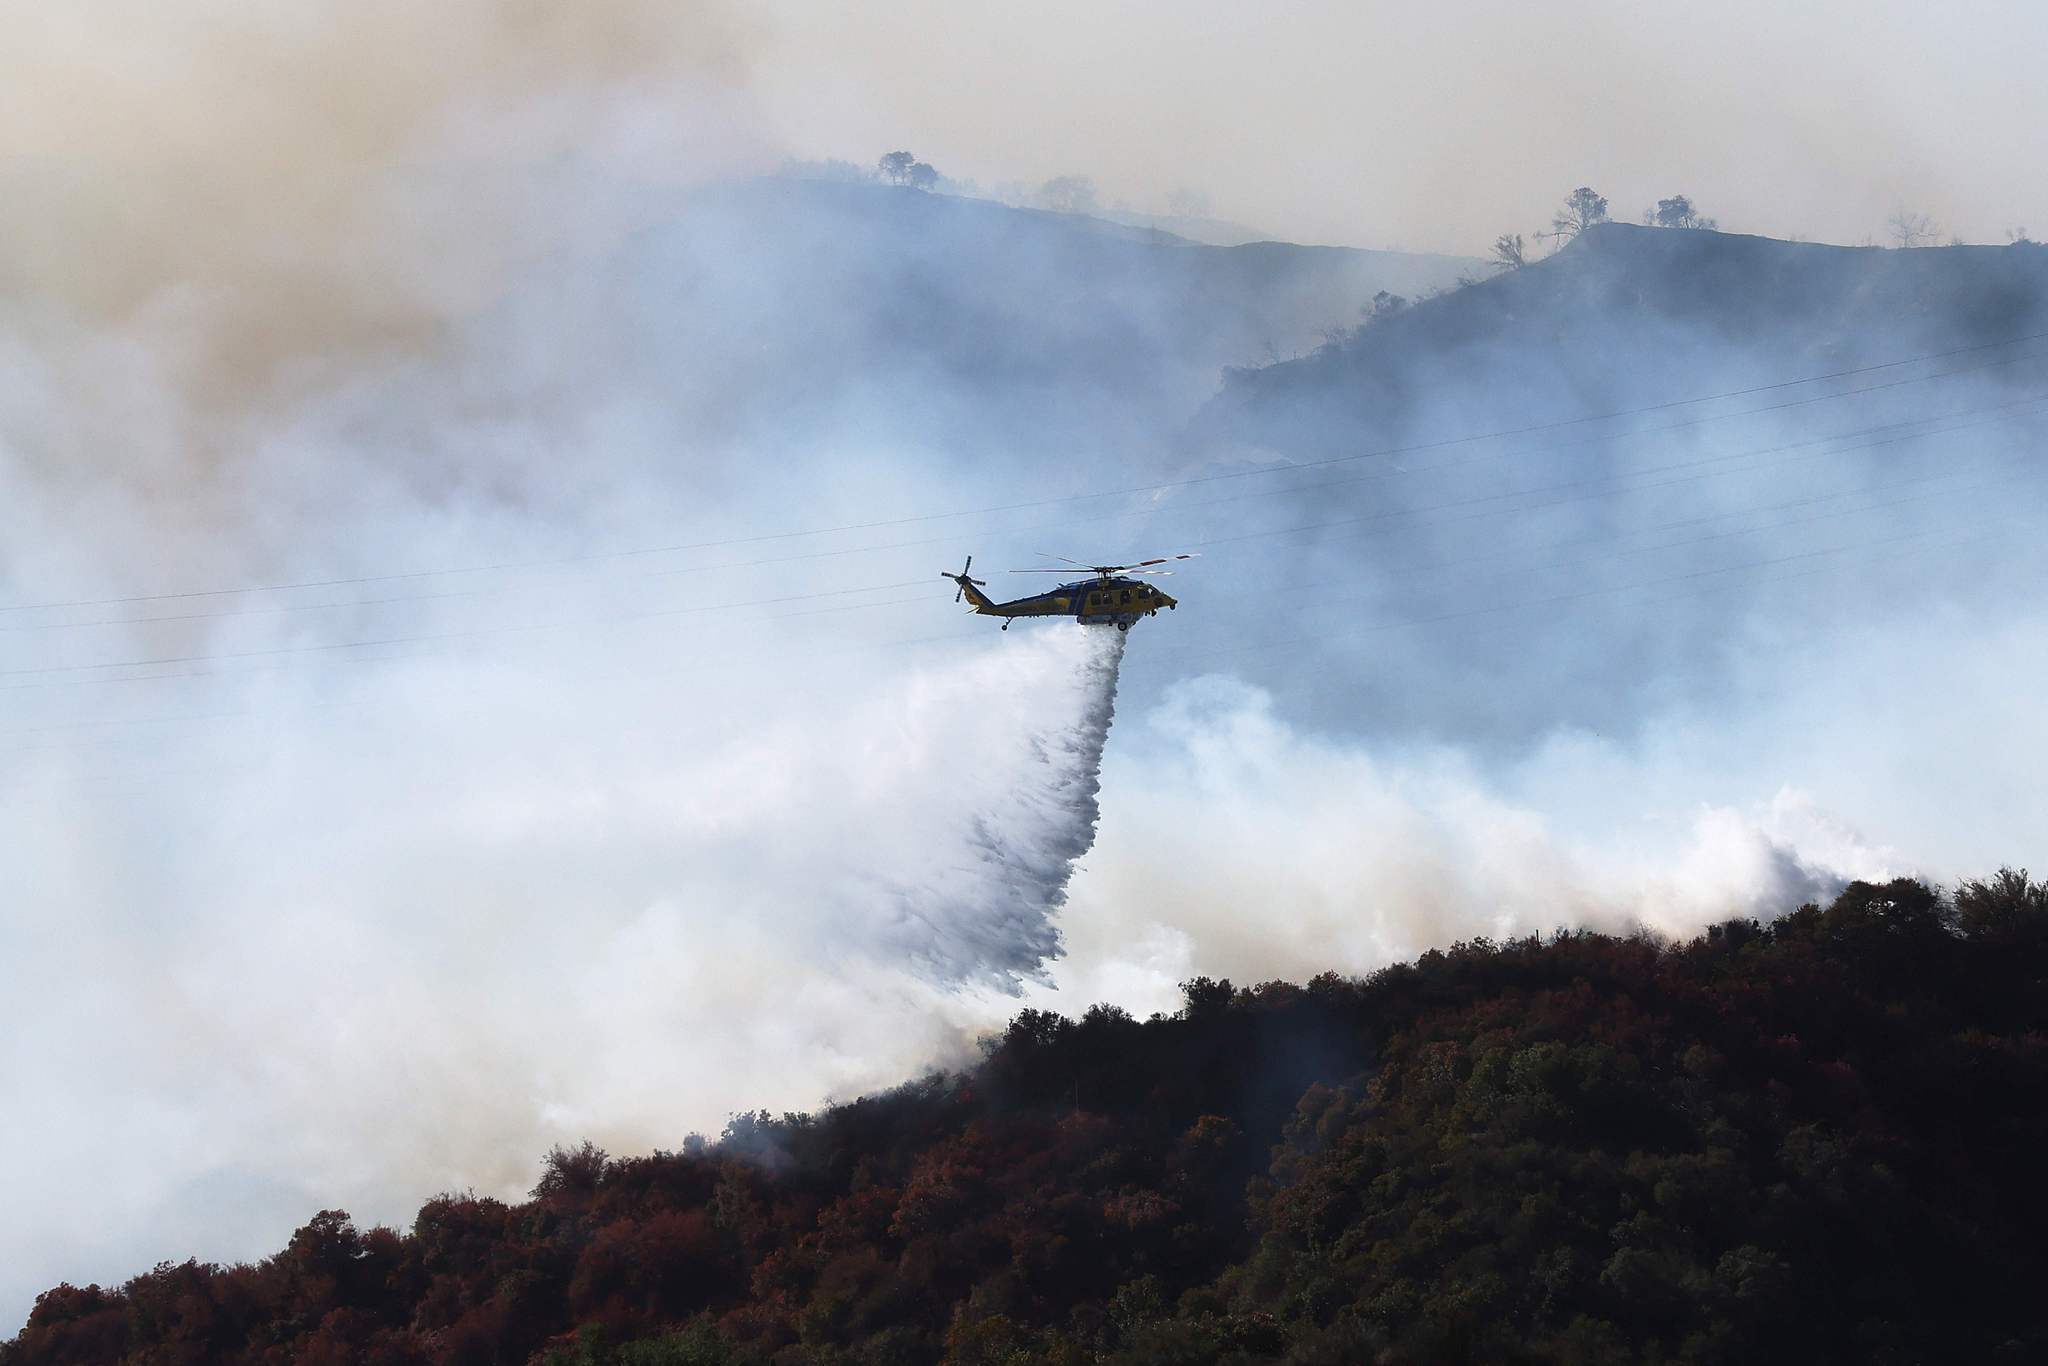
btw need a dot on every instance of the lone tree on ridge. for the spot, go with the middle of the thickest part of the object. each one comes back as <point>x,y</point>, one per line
<point>1582,208</point>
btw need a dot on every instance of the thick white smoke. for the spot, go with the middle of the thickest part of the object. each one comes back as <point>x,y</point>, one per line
<point>393,953</point>
<point>613,845</point>
<point>603,848</point>
<point>1370,855</point>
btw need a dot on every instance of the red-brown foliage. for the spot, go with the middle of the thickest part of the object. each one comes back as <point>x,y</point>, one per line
<point>1816,1138</point>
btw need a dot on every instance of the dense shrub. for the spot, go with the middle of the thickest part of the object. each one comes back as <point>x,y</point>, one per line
<point>1813,1139</point>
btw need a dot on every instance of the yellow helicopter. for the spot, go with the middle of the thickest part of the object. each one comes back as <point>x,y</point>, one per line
<point>1114,596</point>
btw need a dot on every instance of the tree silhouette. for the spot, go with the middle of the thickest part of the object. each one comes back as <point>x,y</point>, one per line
<point>1384,305</point>
<point>2008,905</point>
<point>1582,208</point>
<point>901,168</point>
<point>1676,212</point>
<point>1910,229</point>
<point>1068,194</point>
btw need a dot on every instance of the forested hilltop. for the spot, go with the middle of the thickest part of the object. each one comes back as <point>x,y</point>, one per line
<point>1813,1139</point>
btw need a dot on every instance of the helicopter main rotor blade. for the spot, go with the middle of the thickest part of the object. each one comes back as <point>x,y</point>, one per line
<point>1133,572</point>
<point>1105,570</point>
<point>1048,555</point>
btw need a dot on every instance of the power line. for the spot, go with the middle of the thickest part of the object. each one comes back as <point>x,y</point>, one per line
<point>1723,516</point>
<point>1619,486</point>
<point>455,635</point>
<point>2023,535</point>
<point>1373,628</point>
<point>1161,486</point>
<point>1623,554</point>
<point>148,778</point>
<point>1826,553</point>
<point>1612,487</point>
<point>1177,509</point>
<point>813,555</point>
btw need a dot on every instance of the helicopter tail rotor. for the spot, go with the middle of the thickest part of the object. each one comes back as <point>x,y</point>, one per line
<point>962,580</point>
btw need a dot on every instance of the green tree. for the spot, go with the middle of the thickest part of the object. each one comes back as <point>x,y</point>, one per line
<point>2006,906</point>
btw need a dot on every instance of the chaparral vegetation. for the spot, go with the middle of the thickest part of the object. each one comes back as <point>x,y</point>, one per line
<point>1812,1139</point>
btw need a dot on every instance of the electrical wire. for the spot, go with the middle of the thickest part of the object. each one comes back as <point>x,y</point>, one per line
<point>1599,490</point>
<point>1161,486</point>
<point>1176,509</point>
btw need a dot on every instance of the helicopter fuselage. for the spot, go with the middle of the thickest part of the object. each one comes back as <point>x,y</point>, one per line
<point>1112,600</point>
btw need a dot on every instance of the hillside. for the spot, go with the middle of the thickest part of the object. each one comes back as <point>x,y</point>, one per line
<point>781,310</point>
<point>1809,1140</point>
<point>1629,315</point>
<point>1522,506</point>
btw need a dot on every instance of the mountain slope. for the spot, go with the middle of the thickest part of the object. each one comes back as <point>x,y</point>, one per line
<point>1809,1140</point>
<point>1518,507</point>
<point>1627,315</point>
<point>799,309</point>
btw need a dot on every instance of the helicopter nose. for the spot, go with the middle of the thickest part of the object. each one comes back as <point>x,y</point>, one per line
<point>1165,601</point>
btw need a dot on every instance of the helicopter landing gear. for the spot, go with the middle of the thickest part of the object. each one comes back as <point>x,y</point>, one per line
<point>1123,626</point>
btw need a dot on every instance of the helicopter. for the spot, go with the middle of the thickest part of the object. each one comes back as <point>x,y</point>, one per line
<point>1113,596</point>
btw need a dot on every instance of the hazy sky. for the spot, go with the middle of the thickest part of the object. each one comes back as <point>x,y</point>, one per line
<point>1438,126</point>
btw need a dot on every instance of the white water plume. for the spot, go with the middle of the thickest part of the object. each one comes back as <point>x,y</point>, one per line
<point>990,912</point>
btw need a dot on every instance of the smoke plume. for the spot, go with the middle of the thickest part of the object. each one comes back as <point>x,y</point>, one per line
<point>475,676</point>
